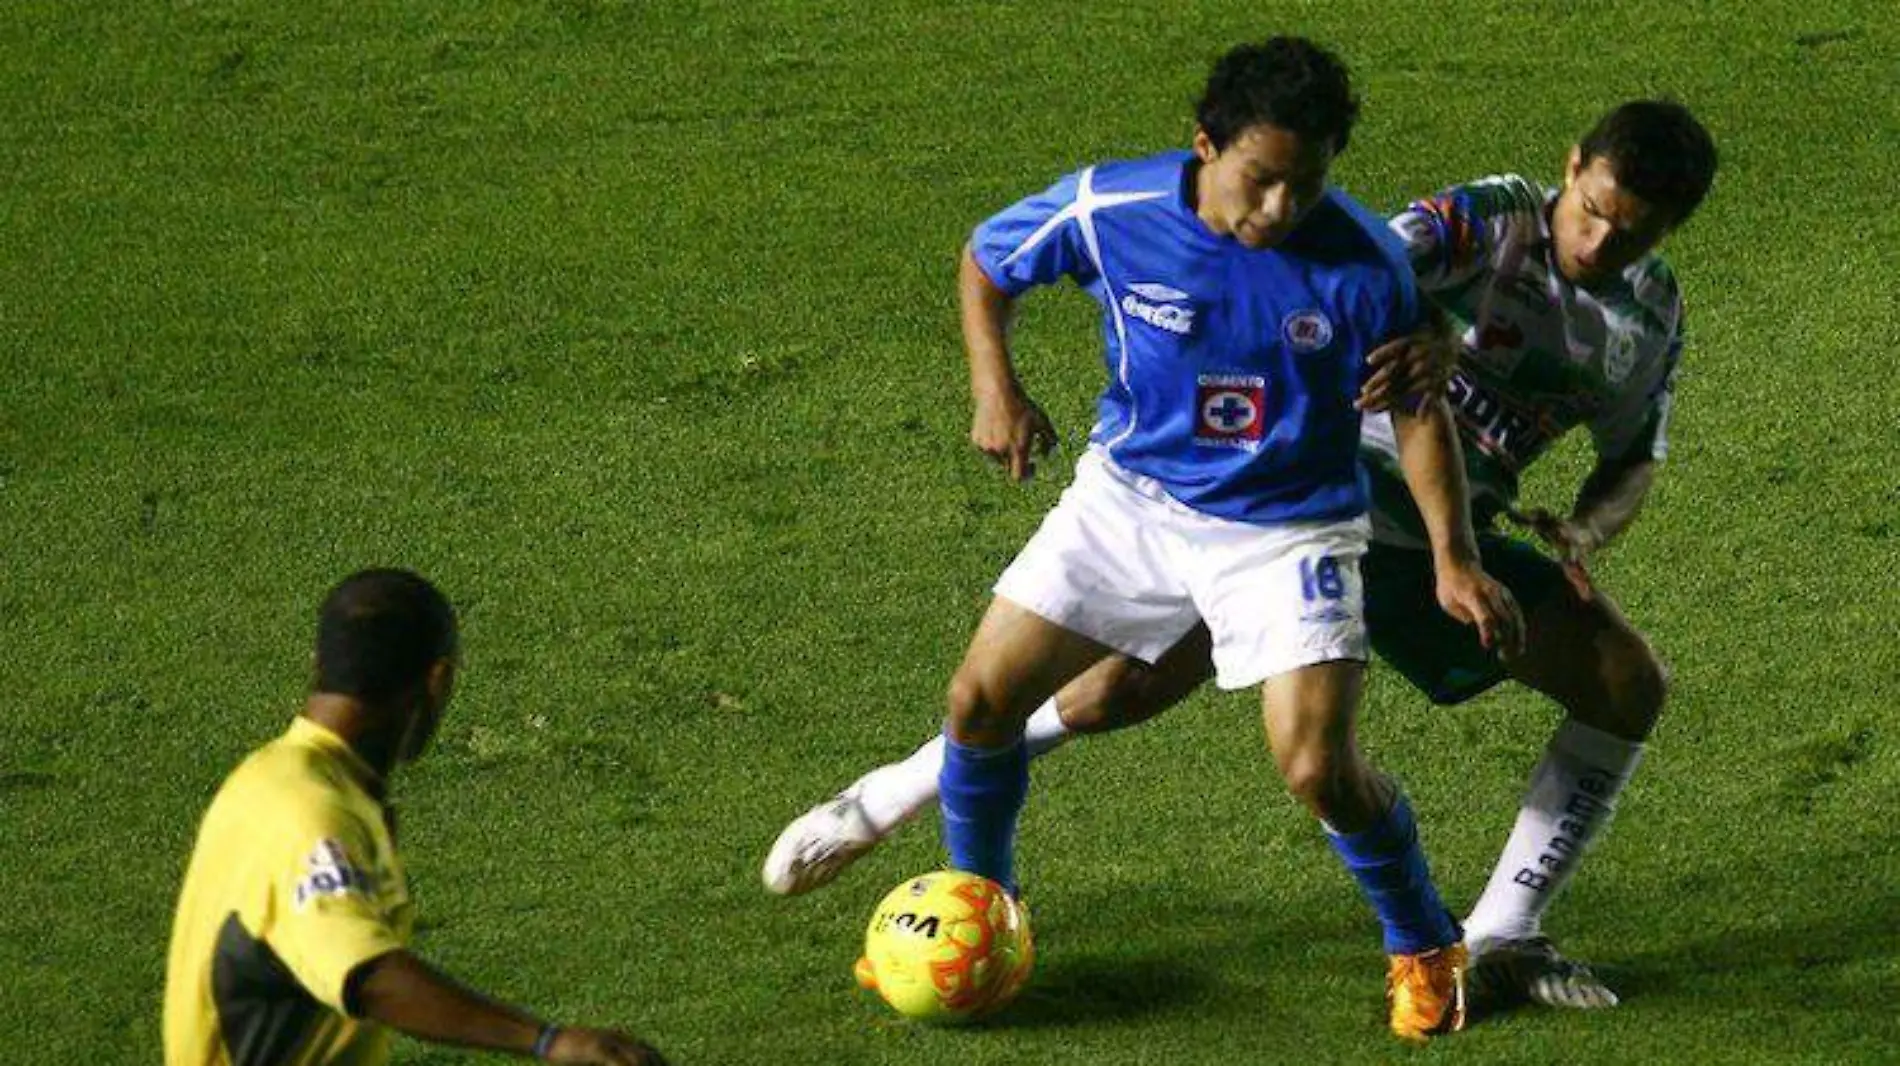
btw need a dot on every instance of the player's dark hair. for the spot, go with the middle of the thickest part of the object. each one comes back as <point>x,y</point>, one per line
<point>1288,82</point>
<point>379,631</point>
<point>1658,151</point>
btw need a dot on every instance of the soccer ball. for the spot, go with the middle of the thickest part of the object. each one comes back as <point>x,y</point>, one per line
<point>947,947</point>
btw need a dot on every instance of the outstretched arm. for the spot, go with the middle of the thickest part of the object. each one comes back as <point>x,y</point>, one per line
<point>405,993</point>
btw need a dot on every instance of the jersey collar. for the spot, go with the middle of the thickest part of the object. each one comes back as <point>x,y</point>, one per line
<point>309,734</point>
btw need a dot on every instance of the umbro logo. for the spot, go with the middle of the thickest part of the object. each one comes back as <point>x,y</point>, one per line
<point>1148,290</point>
<point>1161,306</point>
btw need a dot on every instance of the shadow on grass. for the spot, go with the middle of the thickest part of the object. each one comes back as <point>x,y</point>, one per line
<point>25,781</point>
<point>1815,964</point>
<point>1089,990</point>
<point>1803,963</point>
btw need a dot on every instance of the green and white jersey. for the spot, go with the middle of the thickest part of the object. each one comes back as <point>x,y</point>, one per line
<point>1540,355</point>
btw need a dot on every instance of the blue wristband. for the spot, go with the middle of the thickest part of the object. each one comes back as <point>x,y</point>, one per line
<point>545,1042</point>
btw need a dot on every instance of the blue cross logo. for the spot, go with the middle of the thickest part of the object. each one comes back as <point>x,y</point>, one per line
<point>1231,412</point>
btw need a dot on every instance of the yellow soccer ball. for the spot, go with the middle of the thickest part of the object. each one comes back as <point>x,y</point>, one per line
<point>947,947</point>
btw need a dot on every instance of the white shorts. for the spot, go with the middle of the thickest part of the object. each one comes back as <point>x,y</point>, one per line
<point>1122,563</point>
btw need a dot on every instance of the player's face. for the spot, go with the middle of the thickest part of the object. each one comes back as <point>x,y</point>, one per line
<point>1598,227</point>
<point>1258,188</point>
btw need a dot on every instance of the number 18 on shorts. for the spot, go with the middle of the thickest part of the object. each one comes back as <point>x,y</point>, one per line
<point>1124,564</point>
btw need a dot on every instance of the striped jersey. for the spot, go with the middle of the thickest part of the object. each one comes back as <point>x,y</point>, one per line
<point>1540,355</point>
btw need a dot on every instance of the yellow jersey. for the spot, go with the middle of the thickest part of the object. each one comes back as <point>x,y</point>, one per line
<point>293,884</point>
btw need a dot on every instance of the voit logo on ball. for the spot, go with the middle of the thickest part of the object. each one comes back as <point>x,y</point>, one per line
<point>1232,410</point>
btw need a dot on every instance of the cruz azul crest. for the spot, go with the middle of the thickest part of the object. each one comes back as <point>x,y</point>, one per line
<point>1230,410</point>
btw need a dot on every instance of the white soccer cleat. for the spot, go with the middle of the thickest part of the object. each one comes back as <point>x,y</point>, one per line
<point>818,845</point>
<point>1506,972</point>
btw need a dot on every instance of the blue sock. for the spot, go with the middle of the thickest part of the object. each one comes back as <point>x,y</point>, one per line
<point>982,792</point>
<point>1389,865</point>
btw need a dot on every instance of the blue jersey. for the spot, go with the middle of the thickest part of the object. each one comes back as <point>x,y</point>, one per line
<point>1232,371</point>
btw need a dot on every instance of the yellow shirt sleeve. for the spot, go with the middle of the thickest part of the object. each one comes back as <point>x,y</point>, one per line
<point>334,910</point>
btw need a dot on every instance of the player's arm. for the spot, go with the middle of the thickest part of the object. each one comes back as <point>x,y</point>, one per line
<point>1405,368</point>
<point>400,990</point>
<point>1031,243</point>
<point>1443,238</point>
<point>1007,425</point>
<point>1610,499</point>
<point>334,933</point>
<point>1434,469</point>
<point>1631,437</point>
<point>1607,504</point>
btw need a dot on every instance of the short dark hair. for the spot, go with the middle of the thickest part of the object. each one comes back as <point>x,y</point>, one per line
<point>1288,82</point>
<point>379,631</point>
<point>1658,151</point>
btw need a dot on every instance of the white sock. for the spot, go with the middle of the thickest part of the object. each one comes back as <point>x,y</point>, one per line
<point>1572,794</point>
<point>894,794</point>
<point>1044,731</point>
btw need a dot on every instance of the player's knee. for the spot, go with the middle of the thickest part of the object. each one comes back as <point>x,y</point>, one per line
<point>1093,702</point>
<point>1314,777</point>
<point>974,711</point>
<point>1131,695</point>
<point>1337,785</point>
<point>1638,684</point>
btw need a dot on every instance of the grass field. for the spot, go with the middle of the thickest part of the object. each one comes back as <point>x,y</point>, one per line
<point>632,324</point>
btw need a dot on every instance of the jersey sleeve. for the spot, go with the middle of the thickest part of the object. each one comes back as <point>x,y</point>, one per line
<point>1450,237</point>
<point>330,918</point>
<point>1036,241</point>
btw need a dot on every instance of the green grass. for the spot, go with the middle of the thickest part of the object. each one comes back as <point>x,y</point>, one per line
<point>632,324</point>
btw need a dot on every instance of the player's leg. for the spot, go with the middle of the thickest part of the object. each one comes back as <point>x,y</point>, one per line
<point>1122,691</point>
<point>1015,661</point>
<point>1511,960</point>
<point>1117,692</point>
<point>1584,654</point>
<point>1094,583</point>
<point>1311,718</point>
<point>820,844</point>
<point>1096,579</point>
<point>1286,609</point>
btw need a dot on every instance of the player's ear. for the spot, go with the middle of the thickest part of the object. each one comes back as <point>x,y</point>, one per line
<point>1573,167</point>
<point>1204,149</point>
<point>441,681</point>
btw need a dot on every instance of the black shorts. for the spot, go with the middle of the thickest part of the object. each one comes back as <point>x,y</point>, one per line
<point>1438,654</point>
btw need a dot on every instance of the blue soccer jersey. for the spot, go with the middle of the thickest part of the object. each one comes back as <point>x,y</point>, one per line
<point>1232,371</point>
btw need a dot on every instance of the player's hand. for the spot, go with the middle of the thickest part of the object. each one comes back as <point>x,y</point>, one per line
<point>1010,428</point>
<point>601,1047</point>
<point>1475,598</point>
<point>1418,364</point>
<point>1572,541</point>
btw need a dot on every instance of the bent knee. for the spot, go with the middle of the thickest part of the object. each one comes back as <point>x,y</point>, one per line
<point>1319,778</point>
<point>968,699</point>
<point>976,712</point>
<point>1637,682</point>
<point>1637,676</point>
<point>1096,701</point>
